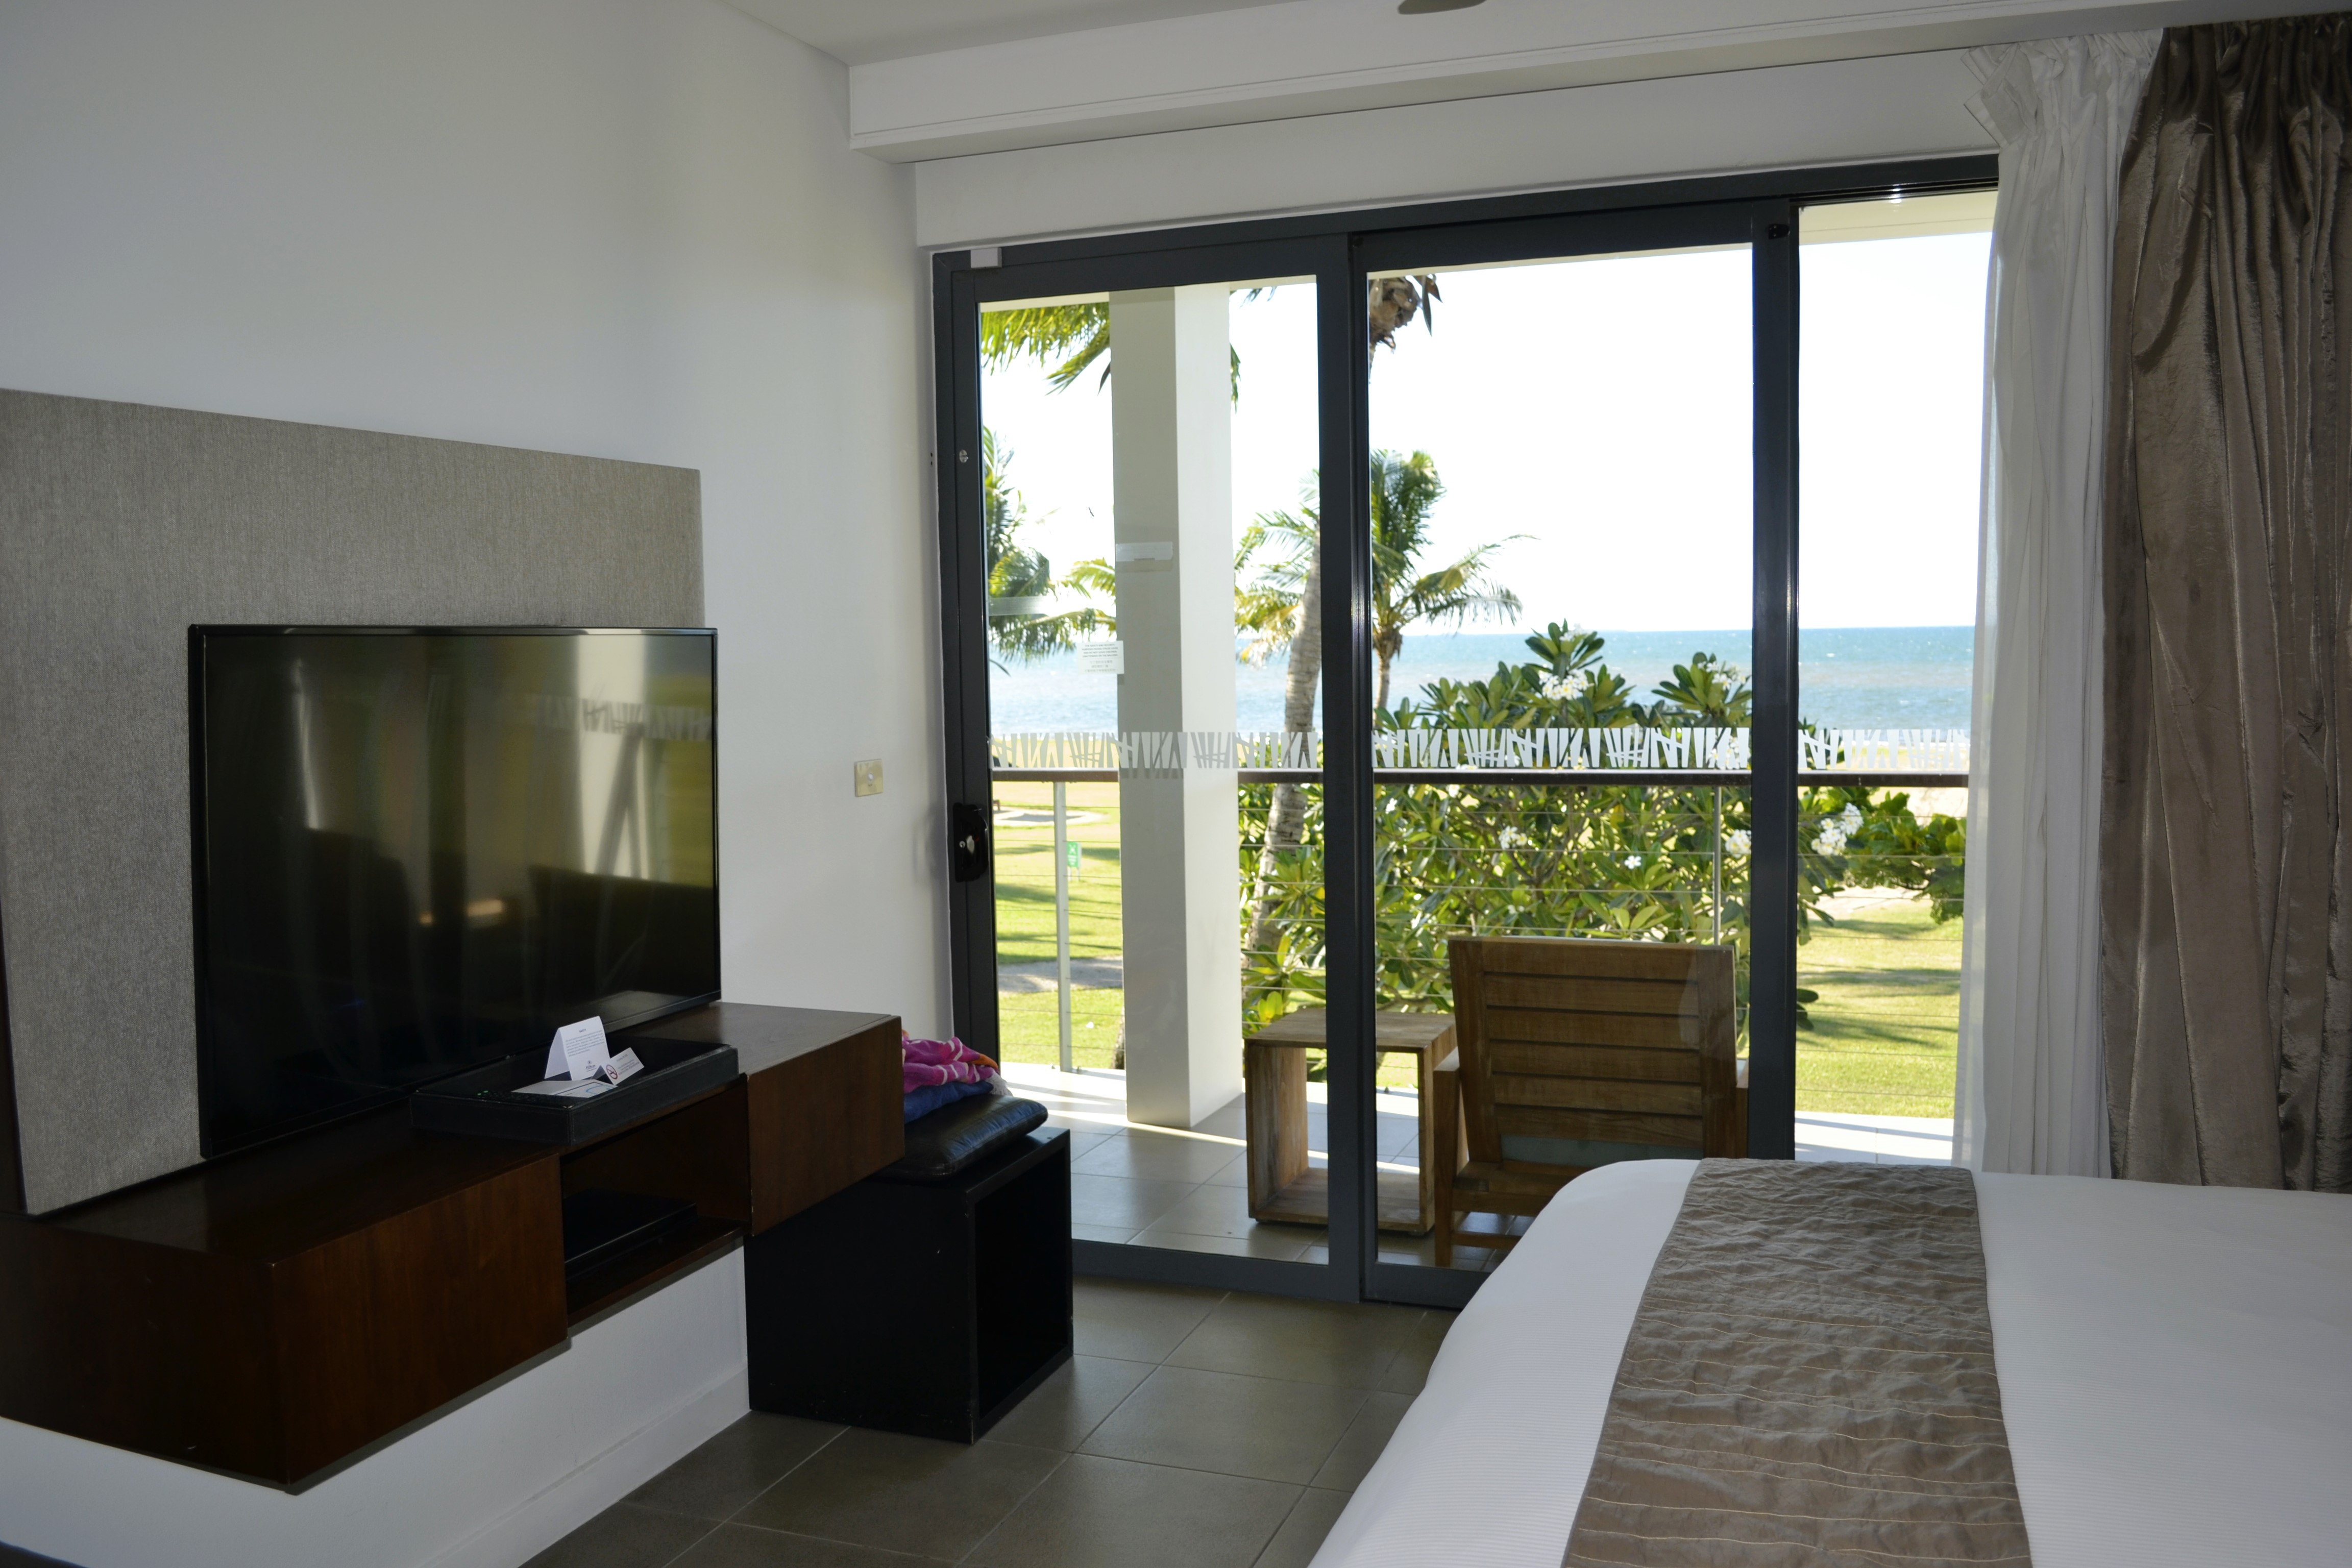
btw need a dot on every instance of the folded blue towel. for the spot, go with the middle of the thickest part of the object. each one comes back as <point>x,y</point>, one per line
<point>930,1096</point>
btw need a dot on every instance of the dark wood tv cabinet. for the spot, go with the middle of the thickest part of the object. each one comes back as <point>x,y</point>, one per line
<point>274,1314</point>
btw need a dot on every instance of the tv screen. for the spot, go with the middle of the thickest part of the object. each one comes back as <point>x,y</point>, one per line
<point>420,851</point>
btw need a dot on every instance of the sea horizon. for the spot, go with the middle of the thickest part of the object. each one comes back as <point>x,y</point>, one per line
<point>1858,678</point>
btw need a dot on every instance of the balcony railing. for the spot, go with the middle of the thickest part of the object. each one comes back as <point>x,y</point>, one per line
<point>1924,758</point>
<point>1679,875</point>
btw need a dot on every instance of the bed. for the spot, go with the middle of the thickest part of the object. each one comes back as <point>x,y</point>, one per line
<point>2175,1368</point>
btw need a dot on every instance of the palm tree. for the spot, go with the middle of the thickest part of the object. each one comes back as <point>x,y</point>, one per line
<point>1078,336</point>
<point>1403,491</point>
<point>1395,301</point>
<point>1282,608</point>
<point>1021,579</point>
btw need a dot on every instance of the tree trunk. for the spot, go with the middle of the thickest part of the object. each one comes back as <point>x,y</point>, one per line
<point>1287,818</point>
<point>1380,698</point>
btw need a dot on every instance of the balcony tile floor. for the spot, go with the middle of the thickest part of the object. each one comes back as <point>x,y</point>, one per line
<point>1193,1429</point>
<point>1874,1140</point>
<point>1188,1188</point>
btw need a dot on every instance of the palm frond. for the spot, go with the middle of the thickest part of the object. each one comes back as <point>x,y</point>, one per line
<point>1077,335</point>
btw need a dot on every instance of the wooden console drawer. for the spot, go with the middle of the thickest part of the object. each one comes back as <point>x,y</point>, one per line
<point>827,1101</point>
<point>273,1315</point>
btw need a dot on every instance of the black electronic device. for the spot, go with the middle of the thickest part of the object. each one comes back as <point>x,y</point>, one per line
<point>419,851</point>
<point>507,1099</point>
<point>599,1226</point>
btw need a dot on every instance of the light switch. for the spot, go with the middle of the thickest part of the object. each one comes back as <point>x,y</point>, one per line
<point>869,776</point>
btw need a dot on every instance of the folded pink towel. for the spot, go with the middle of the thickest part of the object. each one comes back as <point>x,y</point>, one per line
<point>942,1061</point>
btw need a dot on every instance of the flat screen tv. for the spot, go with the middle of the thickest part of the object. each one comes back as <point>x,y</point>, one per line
<point>421,850</point>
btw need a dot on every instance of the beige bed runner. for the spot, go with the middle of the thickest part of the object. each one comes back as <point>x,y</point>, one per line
<point>1809,1380</point>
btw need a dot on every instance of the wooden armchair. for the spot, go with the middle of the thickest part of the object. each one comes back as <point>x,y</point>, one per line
<point>1572,1054</point>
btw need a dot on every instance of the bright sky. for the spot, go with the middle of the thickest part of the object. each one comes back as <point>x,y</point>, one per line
<point>1600,407</point>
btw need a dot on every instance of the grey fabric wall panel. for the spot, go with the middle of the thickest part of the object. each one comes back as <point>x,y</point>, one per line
<point>119,526</point>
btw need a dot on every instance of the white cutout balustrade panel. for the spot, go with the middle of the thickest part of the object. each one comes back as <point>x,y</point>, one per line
<point>1632,746</point>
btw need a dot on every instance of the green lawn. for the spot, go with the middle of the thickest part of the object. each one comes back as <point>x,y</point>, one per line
<point>1881,1038</point>
<point>1028,1023</point>
<point>1024,875</point>
<point>1887,1022</point>
<point>1030,1027</point>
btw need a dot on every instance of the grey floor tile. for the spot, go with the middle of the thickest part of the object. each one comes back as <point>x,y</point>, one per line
<point>1282,1243</point>
<point>1085,1137</point>
<point>1230,1120</point>
<point>904,1494</point>
<point>1155,1157</point>
<point>1130,1320</point>
<point>1233,1173</point>
<point>1366,1435</point>
<point>1114,1233</point>
<point>1234,1424</point>
<point>1072,1402</point>
<point>625,1537</point>
<point>1212,1210</point>
<point>1311,1518</point>
<point>1421,1252</point>
<point>1120,1200</point>
<point>743,1546</point>
<point>1410,1368</point>
<point>1112,1513</point>
<point>1397,1138</point>
<point>1349,1345</point>
<point>736,1465</point>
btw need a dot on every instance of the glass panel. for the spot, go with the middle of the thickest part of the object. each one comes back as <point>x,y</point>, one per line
<point>1891,402</point>
<point>1563,516</point>
<point>1150,513</point>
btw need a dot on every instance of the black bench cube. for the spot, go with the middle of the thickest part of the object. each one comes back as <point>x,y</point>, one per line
<point>929,1298</point>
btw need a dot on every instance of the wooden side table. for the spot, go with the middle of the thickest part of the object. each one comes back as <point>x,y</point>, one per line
<point>1282,1186</point>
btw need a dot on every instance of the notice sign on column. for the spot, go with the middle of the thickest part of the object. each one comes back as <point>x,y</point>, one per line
<point>1102,658</point>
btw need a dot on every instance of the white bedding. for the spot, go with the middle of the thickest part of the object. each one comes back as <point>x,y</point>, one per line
<point>2176,1371</point>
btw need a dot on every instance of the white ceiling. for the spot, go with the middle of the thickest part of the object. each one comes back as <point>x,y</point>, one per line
<point>856,32</point>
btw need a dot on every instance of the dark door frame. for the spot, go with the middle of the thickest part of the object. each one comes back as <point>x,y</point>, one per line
<point>1339,251</point>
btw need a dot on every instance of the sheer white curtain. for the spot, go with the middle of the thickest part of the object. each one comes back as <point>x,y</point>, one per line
<point>2031,1089</point>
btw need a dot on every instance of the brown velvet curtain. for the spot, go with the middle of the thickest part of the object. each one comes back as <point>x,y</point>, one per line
<point>2226,978</point>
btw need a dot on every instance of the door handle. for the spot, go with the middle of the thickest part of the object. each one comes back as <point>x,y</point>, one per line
<point>968,848</point>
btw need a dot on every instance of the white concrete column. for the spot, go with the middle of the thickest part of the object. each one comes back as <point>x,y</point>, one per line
<point>1180,837</point>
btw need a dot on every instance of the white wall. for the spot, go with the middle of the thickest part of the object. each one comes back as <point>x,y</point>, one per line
<point>1841,112</point>
<point>629,228</point>
<point>488,1486</point>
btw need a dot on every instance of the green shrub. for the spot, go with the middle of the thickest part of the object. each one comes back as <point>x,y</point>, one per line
<point>1635,861</point>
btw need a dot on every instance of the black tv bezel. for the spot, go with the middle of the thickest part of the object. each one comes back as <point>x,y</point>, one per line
<point>208,1146</point>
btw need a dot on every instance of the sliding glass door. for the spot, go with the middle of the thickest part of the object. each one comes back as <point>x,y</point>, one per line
<point>1562,599</point>
<point>1148,620</point>
<point>1328,604</point>
<point>1892,353</point>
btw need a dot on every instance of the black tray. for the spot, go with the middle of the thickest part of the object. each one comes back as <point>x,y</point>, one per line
<point>484,1103</point>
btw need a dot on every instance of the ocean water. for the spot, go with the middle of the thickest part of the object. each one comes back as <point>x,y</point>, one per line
<point>1872,678</point>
